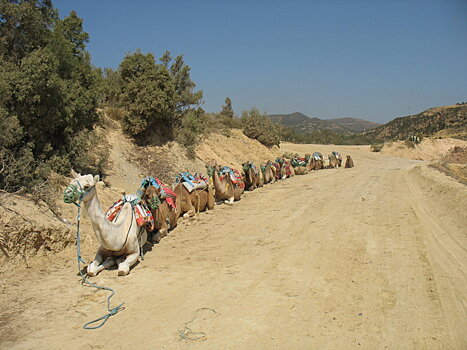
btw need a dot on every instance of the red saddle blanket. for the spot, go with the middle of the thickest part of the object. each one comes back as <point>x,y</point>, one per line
<point>142,213</point>
<point>168,193</point>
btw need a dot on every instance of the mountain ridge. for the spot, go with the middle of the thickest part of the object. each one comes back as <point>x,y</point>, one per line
<point>302,123</point>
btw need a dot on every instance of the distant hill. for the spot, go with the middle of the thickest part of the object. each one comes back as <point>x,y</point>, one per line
<point>446,121</point>
<point>304,124</point>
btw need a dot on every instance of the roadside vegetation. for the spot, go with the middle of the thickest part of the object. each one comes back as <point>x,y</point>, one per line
<point>52,100</point>
<point>49,92</point>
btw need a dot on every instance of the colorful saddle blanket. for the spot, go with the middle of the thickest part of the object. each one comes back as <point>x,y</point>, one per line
<point>166,192</point>
<point>298,162</point>
<point>191,182</point>
<point>336,154</point>
<point>278,168</point>
<point>317,156</point>
<point>142,213</point>
<point>235,176</point>
<point>253,167</point>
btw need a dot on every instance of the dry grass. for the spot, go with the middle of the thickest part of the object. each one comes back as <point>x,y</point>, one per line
<point>454,164</point>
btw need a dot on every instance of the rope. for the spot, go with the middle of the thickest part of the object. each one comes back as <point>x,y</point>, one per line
<point>187,333</point>
<point>199,200</point>
<point>71,193</point>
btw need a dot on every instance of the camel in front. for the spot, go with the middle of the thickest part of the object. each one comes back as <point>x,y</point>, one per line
<point>120,241</point>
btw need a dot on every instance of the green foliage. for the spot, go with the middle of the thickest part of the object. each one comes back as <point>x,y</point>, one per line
<point>258,126</point>
<point>323,137</point>
<point>190,132</point>
<point>452,120</point>
<point>376,147</point>
<point>227,110</point>
<point>110,87</point>
<point>157,96</point>
<point>48,94</point>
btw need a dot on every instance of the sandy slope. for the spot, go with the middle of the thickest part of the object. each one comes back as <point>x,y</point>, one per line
<point>428,149</point>
<point>372,257</point>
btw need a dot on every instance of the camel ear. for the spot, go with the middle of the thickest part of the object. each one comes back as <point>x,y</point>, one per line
<point>96,179</point>
<point>74,174</point>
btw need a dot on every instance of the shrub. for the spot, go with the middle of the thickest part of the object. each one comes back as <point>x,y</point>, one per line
<point>409,144</point>
<point>191,131</point>
<point>48,95</point>
<point>376,147</point>
<point>259,127</point>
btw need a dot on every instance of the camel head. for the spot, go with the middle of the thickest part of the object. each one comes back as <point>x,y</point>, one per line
<point>152,197</point>
<point>247,166</point>
<point>212,166</point>
<point>79,187</point>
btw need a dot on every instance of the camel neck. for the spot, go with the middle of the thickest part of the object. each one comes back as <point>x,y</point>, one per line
<point>218,185</point>
<point>99,222</point>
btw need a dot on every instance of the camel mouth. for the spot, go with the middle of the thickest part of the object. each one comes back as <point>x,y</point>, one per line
<point>72,194</point>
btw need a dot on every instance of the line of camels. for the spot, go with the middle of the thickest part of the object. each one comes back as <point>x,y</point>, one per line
<point>122,240</point>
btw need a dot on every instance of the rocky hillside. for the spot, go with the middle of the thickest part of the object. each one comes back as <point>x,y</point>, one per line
<point>304,124</point>
<point>447,121</point>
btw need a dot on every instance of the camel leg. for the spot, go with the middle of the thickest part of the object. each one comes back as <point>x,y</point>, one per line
<point>229,201</point>
<point>124,266</point>
<point>94,268</point>
<point>157,236</point>
<point>190,213</point>
<point>191,210</point>
<point>108,263</point>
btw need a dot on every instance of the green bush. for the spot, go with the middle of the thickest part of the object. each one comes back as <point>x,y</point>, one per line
<point>48,95</point>
<point>376,147</point>
<point>259,127</point>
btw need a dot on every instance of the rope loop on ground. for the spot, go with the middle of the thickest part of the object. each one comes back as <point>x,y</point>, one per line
<point>187,333</point>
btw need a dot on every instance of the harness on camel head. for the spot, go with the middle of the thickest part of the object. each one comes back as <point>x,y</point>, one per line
<point>235,176</point>
<point>73,194</point>
<point>166,193</point>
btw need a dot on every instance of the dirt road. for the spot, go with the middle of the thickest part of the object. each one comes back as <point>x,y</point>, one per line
<point>372,257</point>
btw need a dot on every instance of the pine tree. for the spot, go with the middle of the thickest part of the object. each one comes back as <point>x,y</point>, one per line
<point>227,110</point>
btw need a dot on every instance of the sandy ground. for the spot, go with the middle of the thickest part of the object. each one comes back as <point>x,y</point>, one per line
<point>372,257</point>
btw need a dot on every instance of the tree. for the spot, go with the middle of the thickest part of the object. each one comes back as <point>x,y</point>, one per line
<point>48,93</point>
<point>147,94</point>
<point>185,97</point>
<point>227,110</point>
<point>258,126</point>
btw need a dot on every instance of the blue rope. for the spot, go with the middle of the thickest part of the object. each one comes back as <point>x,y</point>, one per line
<point>84,280</point>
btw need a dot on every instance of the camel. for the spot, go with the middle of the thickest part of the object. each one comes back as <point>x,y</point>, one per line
<point>333,162</point>
<point>299,167</point>
<point>120,241</point>
<point>338,157</point>
<point>251,177</point>
<point>280,169</point>
<point>317,161</point>
<point>224,188</point>
<point>349,162</point>
<point>289,169</point>
<point>165,217</point>
<point>259,178</point>
<point>194,202</point>
<point>269,172</point>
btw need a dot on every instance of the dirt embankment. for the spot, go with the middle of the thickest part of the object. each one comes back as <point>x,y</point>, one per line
<point>429,149</point>
<point>28,228</point>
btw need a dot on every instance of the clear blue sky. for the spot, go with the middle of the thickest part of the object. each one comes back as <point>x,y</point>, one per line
<point>370,59</point>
